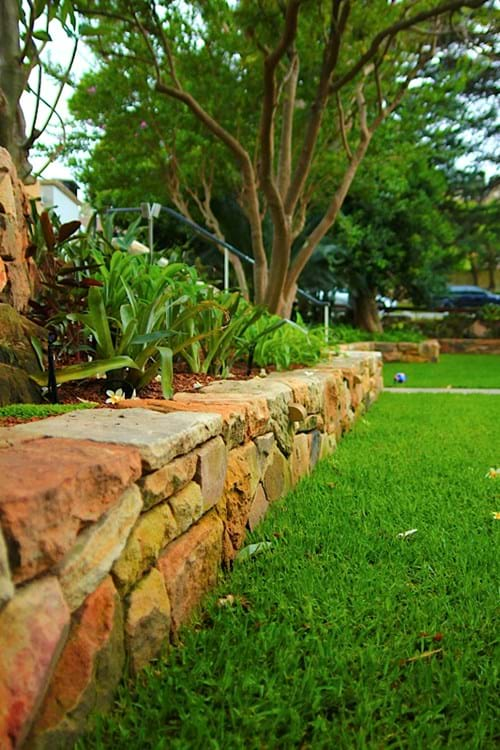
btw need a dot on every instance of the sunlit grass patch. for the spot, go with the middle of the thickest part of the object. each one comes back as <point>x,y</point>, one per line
<point>452,370</point>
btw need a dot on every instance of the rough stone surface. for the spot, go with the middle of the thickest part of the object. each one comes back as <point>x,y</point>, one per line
<point>314,439</point>
<point>234,415</point>
<point>253,411</point>
<point>14,240</point>
<point>306,388</point>
<point>264,445</point>
<point>278,396</point>
<point>187,506</point>
<point>211,471</point>
<point>51,489</point>
<point>15,340</point>
<point>312,422</point>
<point>190,566</point>
<point>277,480</point>
<point>159,438</point>
<point>258,509</point>
<point>161,484</point>
<point>97,548</point>
<point>328,445</point>
<point>6,585</point>
<point>3,275</point>
<point>150,534</point>
<point>87,674</point>
<point>300,458</point>
<point>242,479</point>
<point>470,346</point>
<point>33,628</point>
<point>17,388</point>
<point>147,626</point>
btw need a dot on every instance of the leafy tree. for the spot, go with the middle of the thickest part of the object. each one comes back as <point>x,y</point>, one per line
<point>293,92</point>
<point>25,35</point>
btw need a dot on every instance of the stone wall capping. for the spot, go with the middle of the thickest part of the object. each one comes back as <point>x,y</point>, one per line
<point>158,437</point>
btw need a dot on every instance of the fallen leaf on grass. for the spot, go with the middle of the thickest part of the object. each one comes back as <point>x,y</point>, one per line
<point>496,515</point>
<point>251,550</point>
<point>419,657</point>
<point>493,473</point>
<point>406,534</point>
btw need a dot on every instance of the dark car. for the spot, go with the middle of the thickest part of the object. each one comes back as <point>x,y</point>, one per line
<point>467,296</point>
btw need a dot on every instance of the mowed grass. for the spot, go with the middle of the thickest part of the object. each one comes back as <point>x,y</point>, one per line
<point>456,370</point>
<point>315,651</point>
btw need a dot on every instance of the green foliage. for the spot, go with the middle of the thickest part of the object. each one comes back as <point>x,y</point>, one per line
<point>30,411</point>
<point>345,334</point>
<point>314,650</point>
<point>285,343</point>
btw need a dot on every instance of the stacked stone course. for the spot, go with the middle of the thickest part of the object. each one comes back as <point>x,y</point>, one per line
<point>115,523</point>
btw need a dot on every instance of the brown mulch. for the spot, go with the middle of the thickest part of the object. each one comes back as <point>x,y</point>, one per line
<point>95,390</point>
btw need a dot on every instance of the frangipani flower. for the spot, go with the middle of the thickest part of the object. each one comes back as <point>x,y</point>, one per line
<point>493,473</point>
<point>114,397</point>
<point>496,515</point>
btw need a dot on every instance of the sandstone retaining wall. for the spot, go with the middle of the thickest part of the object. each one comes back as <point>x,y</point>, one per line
<point>114,523</point>
<point>470,346</point>
<point>399,351</point>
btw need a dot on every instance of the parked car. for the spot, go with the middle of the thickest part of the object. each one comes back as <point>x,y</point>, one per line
<point>466,296</point>
<point>342,298</point>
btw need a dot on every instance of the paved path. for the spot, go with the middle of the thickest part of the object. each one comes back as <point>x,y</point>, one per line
<point>466,391</point>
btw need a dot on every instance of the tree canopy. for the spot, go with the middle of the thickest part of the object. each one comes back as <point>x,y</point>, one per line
<point>275,101</point>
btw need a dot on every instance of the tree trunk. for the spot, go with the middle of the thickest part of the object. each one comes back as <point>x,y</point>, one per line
<point>474,268</point>
<point>366,314</point>
<point>12,83</point>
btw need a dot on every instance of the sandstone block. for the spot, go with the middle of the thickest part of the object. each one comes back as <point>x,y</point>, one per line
<point>299,460</point>
<point>258,509</point>
<point>252,412</point>
<point>97,548</point>
<point>51,489</point>
<point>17,388</point>
<point>242,479</point>
<point>147,626</point>
<point>159,438</point>
<point>277,479</point>
<point>161,484</point>
<point>190,566</point>
<point>306,388</point>
<point>264,445</point>
<point>187,506</point>
<point>211,471</point>
<point>6,585</point>
<point>314,439</point>
<point>278,396</point>
<point>87,674</point>
<point>150,534</point>
<point>33,628</point>
<point>328,445</point>
<point>233,415</point>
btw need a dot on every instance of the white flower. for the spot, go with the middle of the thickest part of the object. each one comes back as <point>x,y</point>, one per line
<point>493,473</point>
<point>197,384</point>
<point>138,248</point>
<point>114,397</point>
<point>263,372</point>
<point>100,376</point>
<point>158,378</point>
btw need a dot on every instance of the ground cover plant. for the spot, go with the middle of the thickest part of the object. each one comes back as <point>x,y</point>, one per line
<point>348,631</point>
<point>345,334</point>
<point>456,370</point>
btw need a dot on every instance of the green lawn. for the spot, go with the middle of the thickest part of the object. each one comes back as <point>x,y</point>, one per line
<point>314,654</point>
<point>457,370</point>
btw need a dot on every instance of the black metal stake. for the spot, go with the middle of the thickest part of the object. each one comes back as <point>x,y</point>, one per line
<point>52,380</point>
